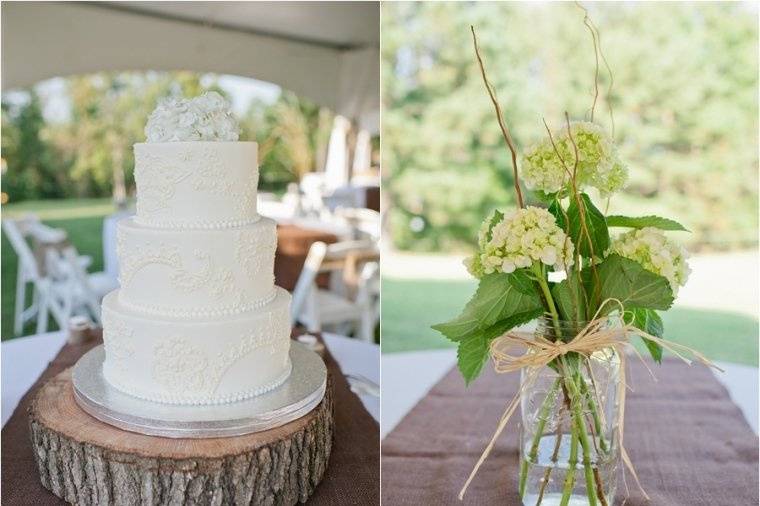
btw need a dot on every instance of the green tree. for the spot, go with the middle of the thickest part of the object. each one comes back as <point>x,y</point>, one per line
<point>684,98</point>
<point>108,115</point>
<point>90,154</point>
<point>292,134</point>
<point>32,170</point>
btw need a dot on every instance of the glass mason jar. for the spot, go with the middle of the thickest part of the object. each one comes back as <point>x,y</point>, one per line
<point>569,452</point>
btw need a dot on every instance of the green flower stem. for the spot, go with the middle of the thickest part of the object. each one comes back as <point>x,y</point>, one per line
<point>539,272</point>
<point>592,404</point>
<point>594,412</point>
<point>577,390</point>
<point>580,428</point>
<point>543,415</point>
<point>554,457</point>
<point>572,462</point>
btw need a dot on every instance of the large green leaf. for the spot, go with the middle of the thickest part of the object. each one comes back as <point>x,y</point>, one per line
<point>501,302</point>
<point>645,221</point>
<point>570,297</point>
<point>627,281</point>
<point>473,349</point>
<point>555,208</point>
<point>650,322</point>
<point>595,223</point>
<point>497,298</point>
<point>523,282</point>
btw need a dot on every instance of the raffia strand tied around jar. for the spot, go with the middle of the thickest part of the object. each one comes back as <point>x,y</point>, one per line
<point>515,351</point>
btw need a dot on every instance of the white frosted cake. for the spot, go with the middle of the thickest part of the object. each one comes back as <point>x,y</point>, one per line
<point>198,319</point>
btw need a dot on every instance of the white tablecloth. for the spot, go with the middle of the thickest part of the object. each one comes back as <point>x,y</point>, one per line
<point>25,358</point>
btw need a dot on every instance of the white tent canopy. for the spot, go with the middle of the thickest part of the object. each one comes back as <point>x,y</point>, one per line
<point>326,51</point>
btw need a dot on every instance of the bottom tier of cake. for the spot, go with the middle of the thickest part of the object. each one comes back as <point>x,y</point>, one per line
<point>194,361</point>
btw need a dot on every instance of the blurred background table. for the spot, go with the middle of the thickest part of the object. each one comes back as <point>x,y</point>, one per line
<point>293,244</point>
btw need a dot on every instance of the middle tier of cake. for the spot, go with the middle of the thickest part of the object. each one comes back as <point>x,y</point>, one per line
<point>196,273</point>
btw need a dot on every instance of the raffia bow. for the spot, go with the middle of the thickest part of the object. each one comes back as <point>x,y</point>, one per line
<point>538,352</point>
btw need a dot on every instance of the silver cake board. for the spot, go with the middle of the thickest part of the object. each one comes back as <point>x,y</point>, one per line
<point>300,394</point>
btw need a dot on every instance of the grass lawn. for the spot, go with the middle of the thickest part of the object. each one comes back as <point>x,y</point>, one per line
<point>411,306</point>
<point>81,218</point>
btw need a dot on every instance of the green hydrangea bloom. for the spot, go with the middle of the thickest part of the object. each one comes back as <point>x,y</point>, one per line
<point>598,162</point>
<point>656,253</point>
<point>517,240</point>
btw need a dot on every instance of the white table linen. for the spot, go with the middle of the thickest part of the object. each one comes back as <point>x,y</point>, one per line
<point>358,358</point>
<point>23,361</point>
<point>25,358</point>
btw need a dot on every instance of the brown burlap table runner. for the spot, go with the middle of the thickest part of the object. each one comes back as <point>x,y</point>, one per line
<point>351,478</point>
<point>689,442</point>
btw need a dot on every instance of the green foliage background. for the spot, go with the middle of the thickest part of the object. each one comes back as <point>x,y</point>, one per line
<point>80,157</point>
<point>684,100</point>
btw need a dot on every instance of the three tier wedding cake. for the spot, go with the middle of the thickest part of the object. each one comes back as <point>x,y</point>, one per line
<point>197,319</point>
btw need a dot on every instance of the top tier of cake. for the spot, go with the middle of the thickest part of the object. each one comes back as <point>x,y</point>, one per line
<point>196,184</point>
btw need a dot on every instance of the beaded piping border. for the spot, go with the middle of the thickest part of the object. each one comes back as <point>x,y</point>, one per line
<point>197,225</point>
<point>183,313</point>
<point>208,400</point>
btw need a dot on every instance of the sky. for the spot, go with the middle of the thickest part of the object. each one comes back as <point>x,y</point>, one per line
<point>241,90</point>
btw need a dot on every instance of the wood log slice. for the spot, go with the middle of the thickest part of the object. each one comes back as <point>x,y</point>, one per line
<point>87,462</point>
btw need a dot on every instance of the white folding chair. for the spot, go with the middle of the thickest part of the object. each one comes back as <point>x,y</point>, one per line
<point>28,272</point>
<point>315,307</point>
<point>71,288</point>
<point>61,285</point>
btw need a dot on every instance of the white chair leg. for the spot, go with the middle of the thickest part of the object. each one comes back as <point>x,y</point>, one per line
<point>35,300</point>
<point>42,313</point>
<point>313,322</point>
<point>61,314</point>
<point>18,318</point>
<point>313,327</point>
<point>367,327</point>
<point>60,310</point>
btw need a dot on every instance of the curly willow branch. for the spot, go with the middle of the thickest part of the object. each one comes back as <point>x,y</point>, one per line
<point>608,96</point>
<point>500,117</point>
<point>586,21</point>
<point>599,53</point>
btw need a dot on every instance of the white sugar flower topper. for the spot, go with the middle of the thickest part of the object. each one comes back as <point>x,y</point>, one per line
<point>204,118</point>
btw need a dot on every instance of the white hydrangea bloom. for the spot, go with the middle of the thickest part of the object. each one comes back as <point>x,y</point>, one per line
<point>518,240</point>
<point>598,162</point>
<point>656,253</point>
<point>203,118</point>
